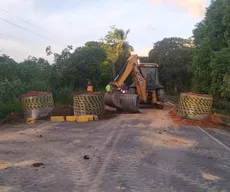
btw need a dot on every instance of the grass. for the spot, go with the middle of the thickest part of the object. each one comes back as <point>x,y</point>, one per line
<point>222,111</point>
<point>173,98</point>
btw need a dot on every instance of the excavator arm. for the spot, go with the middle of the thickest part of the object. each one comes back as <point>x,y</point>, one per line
<point>131,66</point>
<point>129,102</point>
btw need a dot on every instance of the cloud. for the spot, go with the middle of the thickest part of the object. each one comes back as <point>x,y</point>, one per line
<point>74,25</point>
<point>63,27</point>
<point>195,7</point>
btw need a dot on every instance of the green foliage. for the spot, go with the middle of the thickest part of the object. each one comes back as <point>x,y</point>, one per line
<point>220,73</point>
<point>9,92</point>
<point>174,56</point>
<point>69,72</point>
<point>116,46</point>
<point>211,62</point>
<point>63,96</point>
<point>9,106</point>
<point>201,69</point>
<point>85,63</point>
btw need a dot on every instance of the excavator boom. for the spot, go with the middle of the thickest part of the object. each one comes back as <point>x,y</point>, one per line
<point>131,66</point>
<point>127,102</point>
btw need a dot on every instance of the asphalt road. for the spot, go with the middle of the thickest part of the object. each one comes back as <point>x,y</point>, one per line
<point>130,153</point>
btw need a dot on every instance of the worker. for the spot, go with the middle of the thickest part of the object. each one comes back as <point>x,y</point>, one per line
<point>108,87</point>
<point>89,86</point>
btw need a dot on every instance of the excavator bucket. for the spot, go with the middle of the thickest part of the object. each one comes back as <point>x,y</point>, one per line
<point>112,99</point>
<point>122,102</point>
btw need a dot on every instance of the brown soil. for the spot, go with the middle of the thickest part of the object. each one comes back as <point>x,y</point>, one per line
<point>210,121</point>
<point>141,125</point>
<point>35,93</point>
<point>165,140</point>
<point>210,177</point>
<point>158,117</point>
<point>108,114</point>
<point>62,111</point>
<point>179,141</point>
<point>13,118</point>
<point>88,93</point>
<point>3,165</point>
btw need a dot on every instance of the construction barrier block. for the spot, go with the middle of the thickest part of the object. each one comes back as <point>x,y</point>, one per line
<point>90,117</point>
<point>57,118</point>
<point>30,120</point>
<point>82,119</point>
<point>71,118</point>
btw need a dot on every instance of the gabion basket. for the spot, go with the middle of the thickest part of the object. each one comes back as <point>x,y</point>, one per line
<point>37,106</point>
<point>195,106</point>
<point>88,104</point>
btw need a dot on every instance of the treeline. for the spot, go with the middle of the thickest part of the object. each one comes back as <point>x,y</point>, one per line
<point>174,56</point>
<point>200,64</point>
<point>70,70</point>
<point>211,60</point>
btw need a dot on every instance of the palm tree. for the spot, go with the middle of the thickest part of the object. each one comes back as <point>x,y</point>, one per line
<point>116,39</point>
<point>122,43</point>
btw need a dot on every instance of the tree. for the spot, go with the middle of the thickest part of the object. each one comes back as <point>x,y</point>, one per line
<point>84,63</point>
<point>211,60</point>
<point>116,45</point>
<point>106,70</point>
<point>174,56</point>
<point>8,68</point>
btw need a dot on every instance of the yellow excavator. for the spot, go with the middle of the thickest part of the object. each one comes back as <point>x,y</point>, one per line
<point>145,88</point>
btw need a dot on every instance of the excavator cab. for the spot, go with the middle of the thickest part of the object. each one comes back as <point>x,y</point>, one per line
<point>150,73</point>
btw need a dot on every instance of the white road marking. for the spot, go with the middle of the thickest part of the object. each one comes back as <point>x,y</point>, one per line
<point>218,141</point>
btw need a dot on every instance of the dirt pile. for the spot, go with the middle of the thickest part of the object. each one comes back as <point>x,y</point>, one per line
<point>62,111</point>
<point>210,121</point>
<point>35,93</point>
<point>13,118</point>
<point>109,113</point>
<point>88,93</point>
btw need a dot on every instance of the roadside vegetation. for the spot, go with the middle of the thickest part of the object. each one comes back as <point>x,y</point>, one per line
<point>199,64</point>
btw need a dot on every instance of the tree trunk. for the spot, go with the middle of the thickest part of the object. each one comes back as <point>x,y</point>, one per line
<point>114,70</point>
<point>175,89</point>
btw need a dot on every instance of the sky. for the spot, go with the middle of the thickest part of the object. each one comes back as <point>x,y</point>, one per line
<point>27,27</point>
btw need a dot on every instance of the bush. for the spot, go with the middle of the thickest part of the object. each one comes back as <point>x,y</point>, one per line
<point>63,96</point>
<point>12,105</point>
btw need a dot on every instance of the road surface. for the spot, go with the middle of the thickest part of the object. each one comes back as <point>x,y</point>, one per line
<point>130,153</point>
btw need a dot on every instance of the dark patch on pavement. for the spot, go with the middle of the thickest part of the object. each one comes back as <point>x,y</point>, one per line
<point>38,164</point>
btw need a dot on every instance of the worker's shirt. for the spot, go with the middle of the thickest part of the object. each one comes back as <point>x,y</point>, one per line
<point>90,87</point>
<point>107,88</point>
